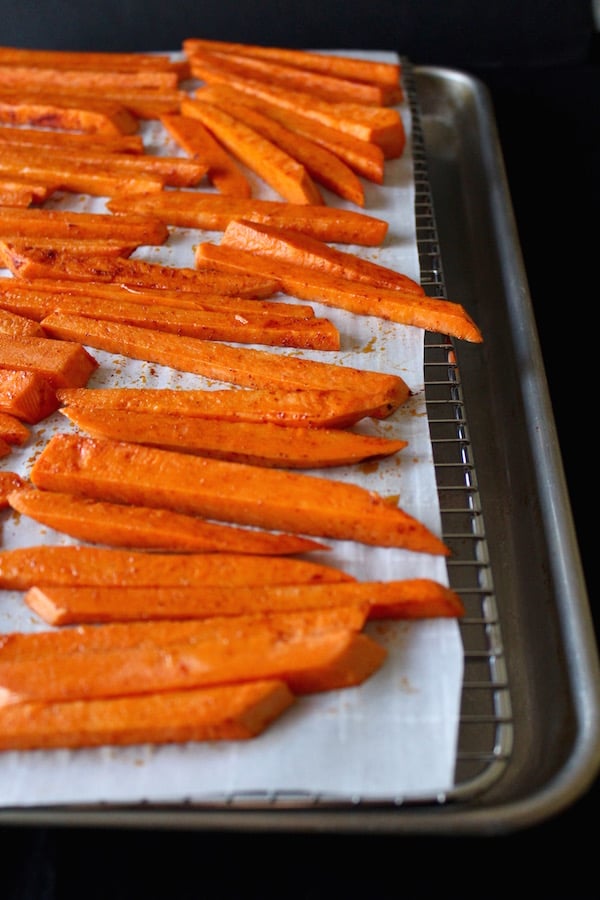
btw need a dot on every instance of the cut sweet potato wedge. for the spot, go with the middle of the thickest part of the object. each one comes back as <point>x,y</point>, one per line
<point>213,213</point>
<point>9,483</point>
<point>307,408</point>
<point>196,140</point>
<point>232,492</point>
<point>417,598</point>
<point>81,178</point>
<point>304,250</point>
<point>37,137</point>
<point>60,223</point>
<point>27,395</point>
<point>230,712</point>
<point>62,363</point>
<point>395,305</point>
<point>162,633</point>
<point>140,273</point>
<point>370,71</point>
<point>12,248</point>
<point>66,112</point>
<point>255,443</point>
<point>363,157</point>
<point>140,527</point>
<point>16,76</point>
<point>13,430</point>
<point>245,366</point>
<point>46,564</point>
<point>86,59</point>
<point>21,193</point>
<point>12,323</point>
<point>277,168</point>
<point>333,88</point>
<point>324,167</point>
<point>308,664</point>
<point>378,125</point>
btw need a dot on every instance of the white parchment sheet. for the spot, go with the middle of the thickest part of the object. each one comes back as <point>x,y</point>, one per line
<point>393,737</point>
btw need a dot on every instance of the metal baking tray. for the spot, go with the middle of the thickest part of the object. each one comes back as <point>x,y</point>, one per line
<point>529,739</point>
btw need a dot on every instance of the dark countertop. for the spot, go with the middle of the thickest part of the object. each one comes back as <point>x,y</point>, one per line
<point>546,112</point>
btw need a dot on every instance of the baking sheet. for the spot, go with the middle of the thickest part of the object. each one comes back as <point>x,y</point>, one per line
<point>395,736</point>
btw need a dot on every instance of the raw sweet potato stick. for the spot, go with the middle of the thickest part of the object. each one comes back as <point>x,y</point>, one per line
<point>227,491</point>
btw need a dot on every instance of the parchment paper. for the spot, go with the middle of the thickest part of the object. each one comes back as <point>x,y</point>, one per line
<point>395,736</point>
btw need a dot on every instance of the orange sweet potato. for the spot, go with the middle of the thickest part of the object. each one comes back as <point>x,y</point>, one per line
<point>18,325</point>
<point>332,88</point>
<point>9,483</point>
<point>378,125</point>
<point>196,140</point>
<point>39,297</point>
<point>305,250</point>
<point>277,168</point>
<point>140,273</point>
<point>12,248</point>
<point>20,192</point>
<point>162,633</point>
<point>37,137</point>
<point>404,307</point>
<point>87,178</point>
<point>363,157</point>
<point>229,712</point>
<point>244,366</point>
<point>13,430</point>
<point>46,564</point>
<point>370,71</point>
<point>27,395</point>
<point>305,407</point>
<point>255,443</point>
<point>232,492</point>
<point>74,59</point>
<point>62,363</point>
<point>139,527</point>
<point>19,77</point>
<point>175,171</point>
<point>412,598</point>
<point>213,213</point>
<point>309,663</point>
<point>324,167</point>
<point>66,112</point>
<point>61,223</point>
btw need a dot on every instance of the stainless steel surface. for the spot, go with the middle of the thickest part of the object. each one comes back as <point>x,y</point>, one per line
<point>530,725</point>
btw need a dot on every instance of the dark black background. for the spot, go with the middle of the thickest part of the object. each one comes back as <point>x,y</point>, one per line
<point>540,61</point>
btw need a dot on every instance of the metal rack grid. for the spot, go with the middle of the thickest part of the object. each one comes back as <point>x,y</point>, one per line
<point>486,724</point>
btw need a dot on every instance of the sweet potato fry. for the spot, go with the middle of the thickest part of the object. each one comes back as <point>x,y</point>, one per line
<point>13,430</point>
<point>308,664</point>
<point>363,157</point>
<point>66,112</point>
<point>142,528</point>
<point>61,223</point>
<point>85,178</point>
<point>9,483</point>
<point>58,140</point>
<point>305,250</point>
<point>163,633</point>
<point>255,443</point>
<point>378,125</point>
<point>416,598</point>
<point>370,71</point>
<point>404,307</point>
<point>223,172</point>
<point>22,192</point>
<point>23,77</point>
<point>269,329</point>
<point>244,366</point>
<point>39,297</point>
<point>324,167</point>
<point>140,273</point>
<point>18,325</point>
<point>175,171</point>
<point>303,407</point>
<point>332,88</point>
<point>73,59</point>
<point>62,363</point>
<point>27,395</point>
<point>277,168</point>
<point>12,248</point>
<point>229,712</point>
<point>232,492</point>
<point>47,564</point>
<point>212,212</point>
